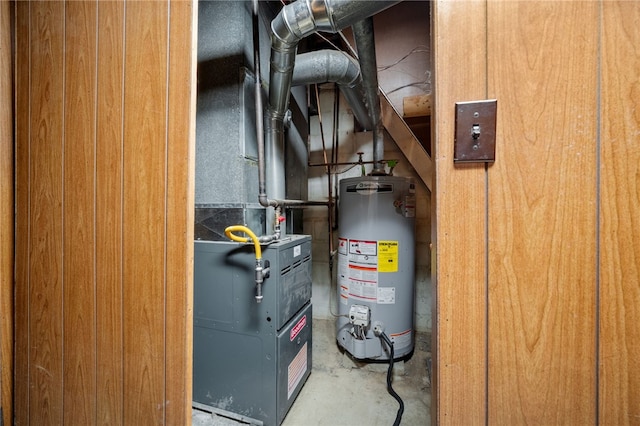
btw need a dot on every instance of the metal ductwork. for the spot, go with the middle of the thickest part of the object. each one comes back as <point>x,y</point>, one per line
<point>300,19</point>
<point>334,66</point>
<point>294,22</point>
<point>365,43</point>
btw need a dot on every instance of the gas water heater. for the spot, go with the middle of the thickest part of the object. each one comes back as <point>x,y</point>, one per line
<point>376,273</point>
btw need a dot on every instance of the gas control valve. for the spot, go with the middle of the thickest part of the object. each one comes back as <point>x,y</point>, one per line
<point>359,315</point>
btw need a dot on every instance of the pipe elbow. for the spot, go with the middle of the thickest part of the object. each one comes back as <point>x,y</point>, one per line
<point>282,35</point>
<point>352,76</point>
<point>299,19</point>
<point>326,66</point>
<point>266,202</point>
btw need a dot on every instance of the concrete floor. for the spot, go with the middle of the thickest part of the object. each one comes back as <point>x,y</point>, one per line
<point>341,391</point>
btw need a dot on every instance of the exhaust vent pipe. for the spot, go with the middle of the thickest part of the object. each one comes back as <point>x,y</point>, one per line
<point>365,43</point>
<point>300,19</point>
<point>334,67</point>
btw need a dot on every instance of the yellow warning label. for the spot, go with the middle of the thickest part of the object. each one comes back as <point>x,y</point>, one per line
<point>387,256</point>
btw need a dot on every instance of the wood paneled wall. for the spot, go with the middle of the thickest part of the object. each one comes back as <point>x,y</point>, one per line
<point>542,213</point>
<point>6,216</point>
<point>459,317</point>
<point>619,215</point>
<point>104,153</point>
<point>538,255</point>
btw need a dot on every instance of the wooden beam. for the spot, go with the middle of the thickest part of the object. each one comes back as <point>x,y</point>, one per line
<point>459,386</point>
<point>406,141</point>
<point>416,106</point>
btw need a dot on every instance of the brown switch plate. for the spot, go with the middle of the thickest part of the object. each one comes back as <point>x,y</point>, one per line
<point>475,137</point>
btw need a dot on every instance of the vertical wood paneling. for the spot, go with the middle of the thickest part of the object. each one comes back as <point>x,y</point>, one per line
<point>180,196</point>
<point>109,297</point>
<point>620,215</point>
<point>459,218</point>
<point>563,213</point>
<point>45,261</point>
<point>542,211</point>
<point>104,168</point>
<point>79,301</point>
<point>6,216</point>
<point>23,236</point>
<point>145,138</point>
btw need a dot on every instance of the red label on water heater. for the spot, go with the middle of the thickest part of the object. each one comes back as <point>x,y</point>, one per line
<point>298,328</point>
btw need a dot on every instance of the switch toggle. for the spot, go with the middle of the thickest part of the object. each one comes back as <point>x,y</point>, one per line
<point>475,135</point>
<point>475,131</point>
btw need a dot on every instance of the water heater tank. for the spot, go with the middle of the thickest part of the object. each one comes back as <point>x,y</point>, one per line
<point>376,272</point>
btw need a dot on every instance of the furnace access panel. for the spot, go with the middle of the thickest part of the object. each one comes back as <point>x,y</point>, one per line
<point>251,359</point>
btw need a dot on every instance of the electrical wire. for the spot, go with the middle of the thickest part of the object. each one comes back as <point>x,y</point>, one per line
<point>393,393</point>
<point>414,84</point>
<point>416,49</point>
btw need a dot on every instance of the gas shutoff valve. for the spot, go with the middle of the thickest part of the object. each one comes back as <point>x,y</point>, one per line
<point>261,274</point>
<point>359,315</point>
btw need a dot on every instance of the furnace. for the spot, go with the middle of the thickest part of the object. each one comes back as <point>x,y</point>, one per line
<point>251,359</point>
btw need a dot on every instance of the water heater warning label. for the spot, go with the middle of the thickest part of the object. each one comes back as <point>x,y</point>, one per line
<point>360,248</point>
<point>363,290</point>
<point>387,256</point>
<point>359,265</point>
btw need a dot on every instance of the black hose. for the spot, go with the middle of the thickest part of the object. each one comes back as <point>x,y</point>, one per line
<point>393,393</point>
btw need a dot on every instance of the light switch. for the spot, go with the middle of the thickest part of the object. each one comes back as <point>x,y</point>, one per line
<point>475,135</point>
